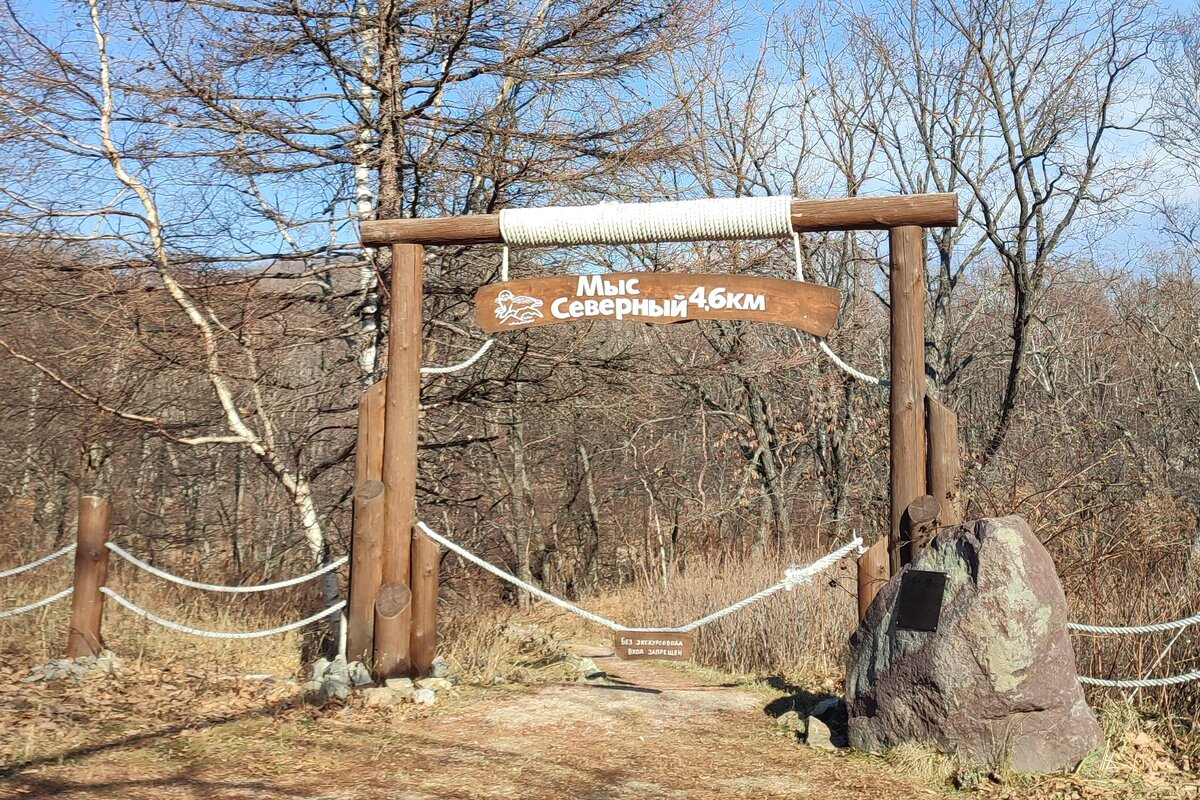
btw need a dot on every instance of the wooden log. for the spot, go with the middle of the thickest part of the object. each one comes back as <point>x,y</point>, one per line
<point>918,524</point>
<point>366,569</point>
<point>393,608</point>
<point>91,571</point>
<point>873,570</point>
<point>846,214</point>
<point>366,543</point>
<point>402,410</point>
<point>426,558</point>
<point>907,286</point>
<point>944,468</point>
<point>875,213</point>
<point>368,453</point>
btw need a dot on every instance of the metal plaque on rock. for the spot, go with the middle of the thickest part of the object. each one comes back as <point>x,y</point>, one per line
<point>919,604</point>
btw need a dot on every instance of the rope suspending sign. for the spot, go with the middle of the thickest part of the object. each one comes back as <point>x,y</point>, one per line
<point>793,577</point>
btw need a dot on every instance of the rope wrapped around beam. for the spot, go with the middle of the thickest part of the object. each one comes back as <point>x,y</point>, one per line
<point>632,223</point>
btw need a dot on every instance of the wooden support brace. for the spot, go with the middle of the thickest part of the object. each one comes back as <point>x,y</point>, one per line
<point>393,607</point>
<point>873,569</point>
<point>426,558</point>
<point>917,526</point>
<point>366,569</point>
<point>91,571</point>
<point>944,468</point>
<point>366,543</point>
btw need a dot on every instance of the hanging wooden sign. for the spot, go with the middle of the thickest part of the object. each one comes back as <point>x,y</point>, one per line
<point>661,645</point>
<point>655,297</point>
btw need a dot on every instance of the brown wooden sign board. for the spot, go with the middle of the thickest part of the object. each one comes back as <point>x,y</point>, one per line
<point>660,645</point>
<point>654,297</point>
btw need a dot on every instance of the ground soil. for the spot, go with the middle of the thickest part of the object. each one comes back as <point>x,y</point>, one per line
<point>650,732</point>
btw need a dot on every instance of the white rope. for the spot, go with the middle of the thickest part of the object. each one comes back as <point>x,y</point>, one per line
<point>630,223</point>
<point>212,587</point>
<point>8,573</point>
<point>821,343</point>
<point>12,612</point>
<point>515,581</point>
<point>175,626</point>
<point>793,576</point>
<point>487,345</point>
<point>1141,683</point>
<point>1158,627</point>
<point>504,263</point>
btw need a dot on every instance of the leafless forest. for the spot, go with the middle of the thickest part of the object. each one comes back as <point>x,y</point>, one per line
<point>187,320</point>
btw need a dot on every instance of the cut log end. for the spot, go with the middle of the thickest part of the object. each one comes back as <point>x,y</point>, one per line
<point>393,600</point>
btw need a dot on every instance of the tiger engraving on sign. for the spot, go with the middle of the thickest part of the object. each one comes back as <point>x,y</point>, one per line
<point>655,297</point>
<point>514,310</point>
<point>662,645</point>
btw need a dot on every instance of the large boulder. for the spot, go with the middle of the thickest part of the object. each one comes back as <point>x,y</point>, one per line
<point>996,681</point>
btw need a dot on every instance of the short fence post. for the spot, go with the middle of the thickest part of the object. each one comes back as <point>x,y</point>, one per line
<point>426,558</point>
<point>91,570</point>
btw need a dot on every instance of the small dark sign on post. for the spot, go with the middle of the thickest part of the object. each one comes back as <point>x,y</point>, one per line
<point>661,645</point>
<point>919,604</point>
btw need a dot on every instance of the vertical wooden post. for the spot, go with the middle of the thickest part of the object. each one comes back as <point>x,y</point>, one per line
<point>426,558</point>
<point>366,543</point>
<point>91,570</point>
<point>402,406</point>
<point>366,569</point>
<point>944,470</point>
<point>907,287</point>
<point>873,571</point>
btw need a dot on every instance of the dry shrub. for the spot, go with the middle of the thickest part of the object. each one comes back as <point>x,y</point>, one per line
<point>800,635</point>
<point>504,644</point>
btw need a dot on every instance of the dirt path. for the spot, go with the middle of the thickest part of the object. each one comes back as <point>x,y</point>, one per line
<point>651,733</point>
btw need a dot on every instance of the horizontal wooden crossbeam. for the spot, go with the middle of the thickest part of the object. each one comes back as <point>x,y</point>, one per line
<point>847,214</point>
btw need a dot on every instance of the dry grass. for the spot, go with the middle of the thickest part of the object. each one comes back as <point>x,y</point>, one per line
<point>799,636</point>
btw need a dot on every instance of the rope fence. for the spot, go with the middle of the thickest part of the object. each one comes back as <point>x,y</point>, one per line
<point>175,626</point>
<point>1141,683</point>
<point>8,573</point>
<point>1157,627</point>
<point>793,577</point>
<point>213,587</point>
<point>12,612</point>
